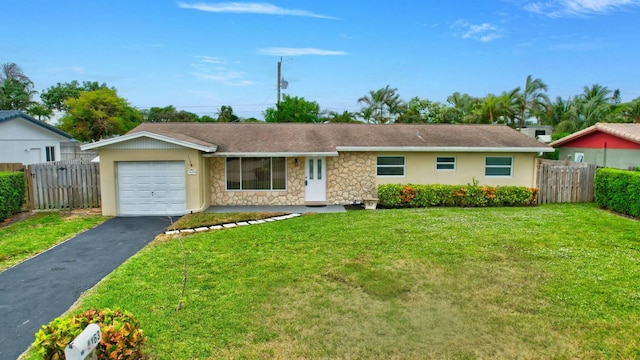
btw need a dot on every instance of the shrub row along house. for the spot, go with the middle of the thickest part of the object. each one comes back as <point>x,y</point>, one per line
<point>176,168</point>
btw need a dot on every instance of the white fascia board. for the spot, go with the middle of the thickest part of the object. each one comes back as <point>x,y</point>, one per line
<point>272,154</point>
<point>123,138</point>
<point>443,149</point>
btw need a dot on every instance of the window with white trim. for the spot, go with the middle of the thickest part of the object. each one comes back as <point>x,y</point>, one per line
<point>579,157</point>
<point>498,166</point>
<point>444,163</point>
<point>259,173</point>
<point>390,166</point>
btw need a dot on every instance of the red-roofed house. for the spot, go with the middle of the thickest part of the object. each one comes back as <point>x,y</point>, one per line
<point>603,144</point>
<point>176,168</point>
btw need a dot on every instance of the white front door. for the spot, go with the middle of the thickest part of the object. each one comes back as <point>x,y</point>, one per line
<point>315,174</point>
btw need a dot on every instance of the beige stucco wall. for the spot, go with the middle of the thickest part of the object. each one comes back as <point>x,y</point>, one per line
<point>196,185</point>
<point>421,169</point>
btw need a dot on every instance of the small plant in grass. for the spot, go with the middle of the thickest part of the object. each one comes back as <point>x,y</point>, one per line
<point>122,337</point>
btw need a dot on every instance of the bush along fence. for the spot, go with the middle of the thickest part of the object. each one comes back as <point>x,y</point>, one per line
<point>618,190</point>
<point>68,184</point>
<point>12,193</point>
<point>416,196</point>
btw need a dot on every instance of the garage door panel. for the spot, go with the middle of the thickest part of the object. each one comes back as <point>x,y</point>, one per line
<point>151,188</point>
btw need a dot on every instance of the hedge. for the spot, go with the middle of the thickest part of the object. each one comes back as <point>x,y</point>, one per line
<point>12,191</point>
<point>618,190</point>
<point>416,196</point>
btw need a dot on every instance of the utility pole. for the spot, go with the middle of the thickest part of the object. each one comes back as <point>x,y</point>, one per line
<point>279,77</point>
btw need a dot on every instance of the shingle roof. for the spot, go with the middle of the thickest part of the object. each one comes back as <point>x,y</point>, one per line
<point>239,138</point>
<point>6,115</point>
<point>630,132</point>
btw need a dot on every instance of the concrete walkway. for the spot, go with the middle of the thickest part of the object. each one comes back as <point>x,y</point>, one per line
<point>42,288</point>
<point>293,209</point>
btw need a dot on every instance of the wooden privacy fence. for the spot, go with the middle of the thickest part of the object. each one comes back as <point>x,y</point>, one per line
<point>565,181</point>
<point>70,184</point>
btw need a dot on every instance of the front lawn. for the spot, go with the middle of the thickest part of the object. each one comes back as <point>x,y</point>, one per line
<point>26,238</point>
<point>553,281</point>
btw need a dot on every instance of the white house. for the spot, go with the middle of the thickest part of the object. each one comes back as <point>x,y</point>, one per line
<point>26,140</point>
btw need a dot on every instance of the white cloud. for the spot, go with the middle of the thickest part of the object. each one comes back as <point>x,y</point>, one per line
<point>560,8</point>
<point>282,51</point>
<point>484,32</point>
<point>212,68</point>
<point>211,59</point>
<point>250,8</point>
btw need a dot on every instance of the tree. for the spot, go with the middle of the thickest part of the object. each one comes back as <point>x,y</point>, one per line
<point>345,117</point>
<point>225,114</point>
<point>14,72</point>
<point>55,96</point>
<point>631,111</point>
<point>510,107</point>
<point>460,109</point>
<point>168,114</point>
<point>40,112</point>
<point>15,95</point>
<point>16,89</point>
<point>422,111</point>
<point>294,110</point>
<point>97,114</point>
<point>532,100</point>
<point>382,106</point>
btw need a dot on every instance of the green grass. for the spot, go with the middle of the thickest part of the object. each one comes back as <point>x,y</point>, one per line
<point>26,238</point>
<point>553,281</point>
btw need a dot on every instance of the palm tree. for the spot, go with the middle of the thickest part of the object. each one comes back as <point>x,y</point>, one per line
<point>489,109</point>
<point>461,110</point>
<point>345,117</point>
<point>384,105</point>
<point>532,99</point>
<point>16,89</point>
<point>11,71</point>
<point>631,111</point>
<point>510,103</point>
<point>225,114</point>
<point>595,105</point>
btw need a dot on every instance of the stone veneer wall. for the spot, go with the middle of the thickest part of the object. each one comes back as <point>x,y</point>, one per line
<point>351,177</point>
<point>294,195</point>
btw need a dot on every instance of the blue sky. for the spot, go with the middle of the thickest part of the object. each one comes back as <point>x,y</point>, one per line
<point>200,55</point>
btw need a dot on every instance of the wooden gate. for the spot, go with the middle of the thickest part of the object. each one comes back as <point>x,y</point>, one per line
<point>565,181</point>
<point>71,184</point>
<point>67,185</point>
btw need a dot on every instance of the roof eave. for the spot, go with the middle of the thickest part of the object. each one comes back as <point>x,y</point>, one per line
<point>136,135</point>
<point>444,149</point>
<point>273,154</point>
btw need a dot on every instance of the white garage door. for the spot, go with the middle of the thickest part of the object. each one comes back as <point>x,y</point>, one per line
<point>151,188</point>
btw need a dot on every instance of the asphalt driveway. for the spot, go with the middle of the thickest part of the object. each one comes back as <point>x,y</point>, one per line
<point>42,288</point>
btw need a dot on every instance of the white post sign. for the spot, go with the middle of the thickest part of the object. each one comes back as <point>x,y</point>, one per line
<point>84,344</point>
